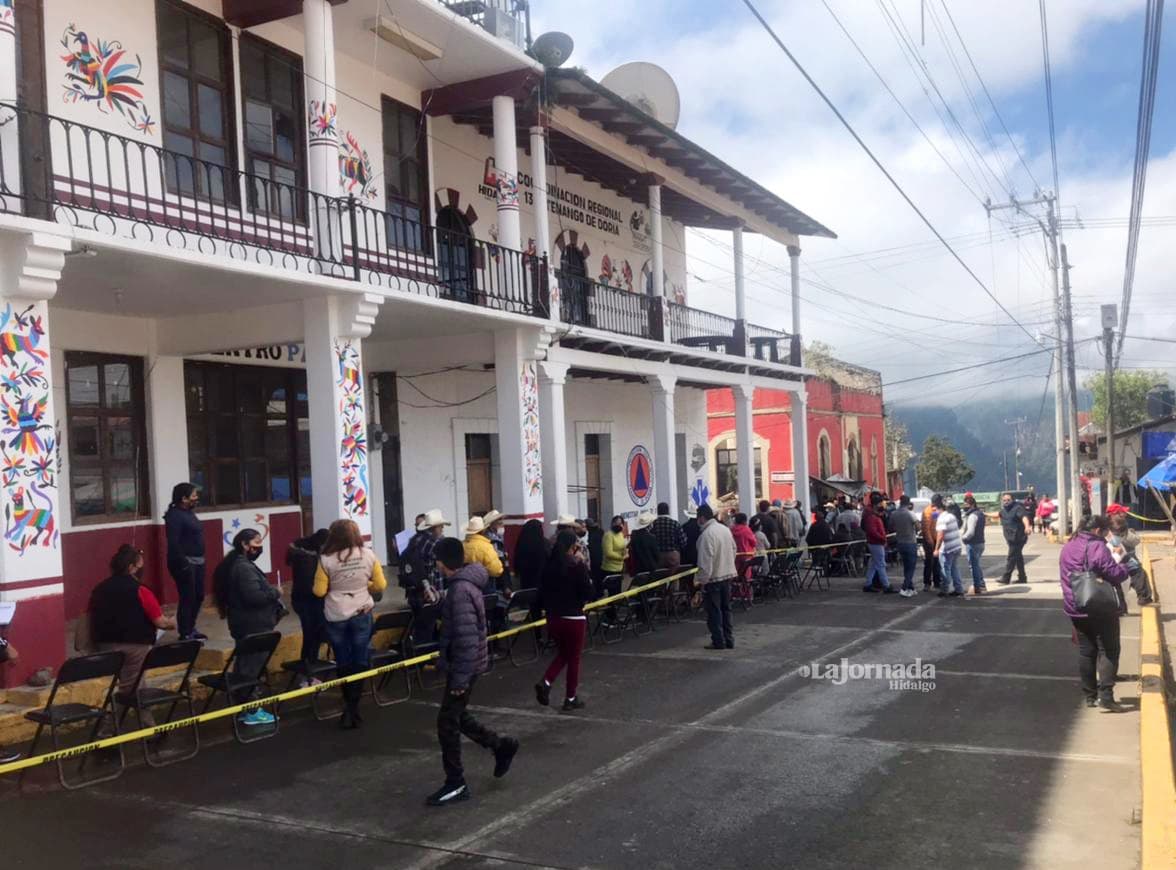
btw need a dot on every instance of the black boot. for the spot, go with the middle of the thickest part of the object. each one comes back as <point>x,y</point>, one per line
<point>347,720</point>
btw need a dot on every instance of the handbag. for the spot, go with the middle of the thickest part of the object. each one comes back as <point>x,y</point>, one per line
<point>1093,595</point>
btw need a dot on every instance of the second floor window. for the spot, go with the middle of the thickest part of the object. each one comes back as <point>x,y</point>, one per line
<point>194,72</point>
<point>274,143</point>
<point>404,174</point>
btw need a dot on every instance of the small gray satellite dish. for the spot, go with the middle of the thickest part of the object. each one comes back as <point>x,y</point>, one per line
<point>648,87</point>
<point>552,49</point>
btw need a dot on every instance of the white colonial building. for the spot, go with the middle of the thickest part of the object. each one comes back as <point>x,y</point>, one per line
<point>326,262</point>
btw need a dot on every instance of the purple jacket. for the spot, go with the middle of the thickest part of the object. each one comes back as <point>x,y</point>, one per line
<point>463,626</point>
<point>1086,551</point>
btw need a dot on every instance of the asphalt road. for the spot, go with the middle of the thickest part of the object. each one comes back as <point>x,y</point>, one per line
<point>683,758</point>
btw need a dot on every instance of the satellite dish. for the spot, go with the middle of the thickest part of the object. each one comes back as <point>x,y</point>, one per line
<point>648,87</point>
<point>552,49</point>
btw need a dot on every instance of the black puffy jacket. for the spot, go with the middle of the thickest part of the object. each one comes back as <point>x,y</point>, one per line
<point>463,625</point>
<point>250,602</point>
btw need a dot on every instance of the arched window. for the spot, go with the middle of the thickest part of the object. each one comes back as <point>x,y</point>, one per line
<point>456,258</point>
<point>824,457</point>
<point>574,286</point>
<point>853,460</point>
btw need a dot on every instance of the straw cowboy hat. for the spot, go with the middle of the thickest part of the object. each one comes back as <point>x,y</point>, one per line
<point>491,518</point>
<point>644,520</point>
<point>690,511</point>
<point>433,518</point>
<point>475,526</point>
<point>564,520</point>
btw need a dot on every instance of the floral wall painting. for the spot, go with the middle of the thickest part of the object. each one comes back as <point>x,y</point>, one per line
<point>322,118</point>
<point>353,465</point>
<point>356,176</point>
<point>532,459</point>
<point>7,20</point>
<point>101,73</point>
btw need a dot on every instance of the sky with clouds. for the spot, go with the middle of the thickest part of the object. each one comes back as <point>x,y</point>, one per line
<point>744,101</point>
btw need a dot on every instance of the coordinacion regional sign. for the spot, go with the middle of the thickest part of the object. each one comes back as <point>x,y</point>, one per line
<point>568,204</point>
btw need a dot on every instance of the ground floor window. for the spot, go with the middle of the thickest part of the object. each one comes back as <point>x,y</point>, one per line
<point>727,470</point>
<point>248,434</point>
<point>107,437</point>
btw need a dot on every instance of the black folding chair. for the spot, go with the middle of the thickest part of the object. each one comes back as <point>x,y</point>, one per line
<point>396,651</point>
<point>430,613</point>
<point>818,570</point>
<point>608,618</point>
<point>75,670</point>
<point>319,668</point>
<point>679,594</point>
<point>519,609</point>
<point>144,698</point>
<point>494,605</point>
<point>656,600</point>
<point>633,614</point>
<point>261,645</point>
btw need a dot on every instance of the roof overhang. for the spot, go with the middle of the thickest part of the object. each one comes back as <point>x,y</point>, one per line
<point>250,13</point>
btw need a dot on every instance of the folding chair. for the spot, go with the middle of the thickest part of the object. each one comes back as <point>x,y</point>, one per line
<point>654,602</point>
<point>519,609</point>
<point>818,570</point>
<point>146,698</point>
<point>680,593</point>
<point>396,651</point>
<point>429,614</point>
<point>758,577</point>
<point>791,572</point>
<point>634,613</point>
<point>75,670</point>
<point>495,608</point>
<point>741,589</point>
<point>607,618</point>
<point>319,668</point>
<point>262,644</point>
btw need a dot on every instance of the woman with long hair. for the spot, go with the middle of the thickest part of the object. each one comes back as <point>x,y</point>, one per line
<point>530,554</point>
<point>348,575</point>
<point>251,605</point>
<point>566,588</point>
<point>302,557</point>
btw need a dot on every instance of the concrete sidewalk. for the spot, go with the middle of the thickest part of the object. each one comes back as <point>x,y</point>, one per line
<point>683,758</point>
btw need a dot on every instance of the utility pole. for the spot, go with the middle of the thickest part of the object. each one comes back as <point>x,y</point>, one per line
<point>1016,424</point>
<point>1049,230</point>
<point>1072,396</point>
<point>1005,462</point>
<point>1110,319</point>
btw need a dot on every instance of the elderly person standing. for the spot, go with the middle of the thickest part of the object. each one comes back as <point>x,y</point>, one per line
<point>479,549</point>
<point>1095,631</point>
<point>794,524</point>
<point>716,569</point>
<point>671,540</point>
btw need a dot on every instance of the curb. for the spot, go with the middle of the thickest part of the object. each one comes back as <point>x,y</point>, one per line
<point>1158,837</point>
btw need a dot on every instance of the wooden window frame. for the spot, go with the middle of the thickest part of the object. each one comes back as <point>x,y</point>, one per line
<point>138,415</point>
<point>388,104</point>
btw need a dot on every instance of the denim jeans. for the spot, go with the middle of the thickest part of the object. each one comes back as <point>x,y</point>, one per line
<point>975,551</point>
<point>910,559</point>
<point>877,569</point>
<point>949,565</point>
<point>716,598</point>
<point>351,640</point>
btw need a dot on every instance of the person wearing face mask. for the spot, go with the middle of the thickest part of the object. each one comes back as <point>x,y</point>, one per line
<point>185,556</point>
<point>124,617</point>
<point>251,605</point>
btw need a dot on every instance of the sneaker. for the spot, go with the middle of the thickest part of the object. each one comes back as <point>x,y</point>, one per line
<point>712,646</point>
<point>543,693</point>
<point>1110,706</point>
<point>7,756</point>
<point>955,593</point>
<point>1003,582</point>
<point>889,590</point>
<point>198,635</point>
<point>869,589</point>
<point>448,794</point>
<point>1092,703</point>
<point>1023,580</point>
<point>572,704</point>
<point>907,593</point>
<point>504,755</point>
<point>941,595</point>
<point>257,717</point>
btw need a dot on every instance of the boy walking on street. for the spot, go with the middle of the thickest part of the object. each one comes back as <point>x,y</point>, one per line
<point>463,657</point>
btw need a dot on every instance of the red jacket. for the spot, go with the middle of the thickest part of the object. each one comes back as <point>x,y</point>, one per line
<point>874,528</point>
<point>744,539</point>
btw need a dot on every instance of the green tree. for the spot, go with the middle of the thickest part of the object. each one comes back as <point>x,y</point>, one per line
<point>899,451</point>
<point>1130,396</point>
<point>942,467</point>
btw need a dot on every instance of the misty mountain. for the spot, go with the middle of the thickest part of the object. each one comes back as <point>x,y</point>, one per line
<point>979,430</point>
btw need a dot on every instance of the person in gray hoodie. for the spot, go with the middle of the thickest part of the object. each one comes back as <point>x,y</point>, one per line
<point>463,656</point>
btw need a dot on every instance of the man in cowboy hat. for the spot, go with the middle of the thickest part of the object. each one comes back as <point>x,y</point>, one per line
<point>643,545</point>
<point>567,522</point>
<point>671,540</point>
<point>418,569</point>
<point>480,551</point>
<point>692,530</point>
<point>495,531</point>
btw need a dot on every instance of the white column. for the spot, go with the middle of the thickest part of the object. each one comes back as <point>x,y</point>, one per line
<point>800,453</point>
<point>542,224</point>
<point>167,428</point>
<point>516,380</point>
<point>506,173</point>
<point>665,470</point>
<point>745,445</point>
<point>321,107</point>
<point>553,438</point>
<point>794,274</point>
<point>657,263</point>
<point>9,134</point>
<point>740,297</point>
<point>338,422</point>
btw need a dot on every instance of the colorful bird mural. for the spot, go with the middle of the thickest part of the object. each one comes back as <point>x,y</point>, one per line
<point>24,420</point>
<point>101,73</point>
<point>355,168</point>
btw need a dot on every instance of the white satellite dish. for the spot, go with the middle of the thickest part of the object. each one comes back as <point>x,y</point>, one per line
<point>648,87</point>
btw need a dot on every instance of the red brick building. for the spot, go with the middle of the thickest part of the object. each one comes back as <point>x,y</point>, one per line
<point>845,432</point>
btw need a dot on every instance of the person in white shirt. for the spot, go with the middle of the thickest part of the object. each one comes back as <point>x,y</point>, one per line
<point>948,546</point>
<point>716,568</point>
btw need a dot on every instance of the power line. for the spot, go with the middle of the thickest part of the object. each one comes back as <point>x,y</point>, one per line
<point>978,365</point>
<point>878,163</point>
<point>1147,103</point>
<point>1049,106</point>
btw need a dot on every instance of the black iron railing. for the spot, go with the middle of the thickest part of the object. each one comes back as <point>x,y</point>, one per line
<point>585,302</point>
<point>692,325</point>
<point>490,14</point>
<point>119,186</point>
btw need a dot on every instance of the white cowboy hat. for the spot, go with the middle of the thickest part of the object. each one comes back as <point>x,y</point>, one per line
<point>475,526</point>
<point>690,511</point>
<point>433,518</point>
<point>644,519</point>
<point>564,520</point>
<point>491,518</point>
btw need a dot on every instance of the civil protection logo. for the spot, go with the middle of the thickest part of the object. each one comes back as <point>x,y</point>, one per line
<point>639,475</point>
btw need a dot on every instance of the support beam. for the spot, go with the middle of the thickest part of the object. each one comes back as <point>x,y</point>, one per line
<point>797,354</point>
<point>800,453</point>
<point>506,173</point>
<point>665,465</point>
<point>542,226</point>
<point>519,428</point>
<point>655,231</point>
<point>745,445</point>
<point>553,438</point>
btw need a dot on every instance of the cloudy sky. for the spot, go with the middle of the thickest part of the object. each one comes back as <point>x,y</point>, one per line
<point>744,101</point>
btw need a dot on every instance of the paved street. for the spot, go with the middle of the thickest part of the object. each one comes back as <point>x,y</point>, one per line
<point>683,758</point>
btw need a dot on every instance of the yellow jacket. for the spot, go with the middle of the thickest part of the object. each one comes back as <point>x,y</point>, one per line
<point>615,547</point>
<point>479,550</point>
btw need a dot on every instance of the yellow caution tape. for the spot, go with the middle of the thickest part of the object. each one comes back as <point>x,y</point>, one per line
<point>233,709</point>
<point>1145,519</point>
